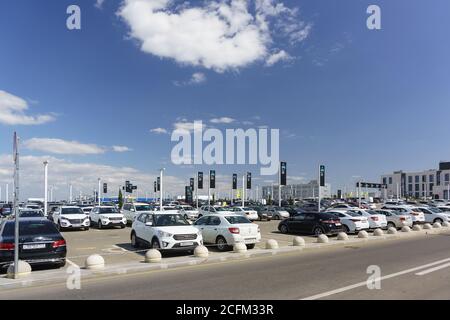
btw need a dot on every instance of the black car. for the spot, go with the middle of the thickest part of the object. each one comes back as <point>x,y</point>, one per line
<point>311,223</point>
<point>262,214</point>
<point>40,243</point>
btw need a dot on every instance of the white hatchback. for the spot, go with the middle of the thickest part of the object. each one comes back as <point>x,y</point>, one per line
<point>226,230</point>
<point>351,221</point>
<point>107,216</point>
<point>251,214</point>
<point>375,219</point>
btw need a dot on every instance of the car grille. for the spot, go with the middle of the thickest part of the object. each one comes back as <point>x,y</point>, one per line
<point>185,237</point>
<point>115,219</point>
<point>75,221</point>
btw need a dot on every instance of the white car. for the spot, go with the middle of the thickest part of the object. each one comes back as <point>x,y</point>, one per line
<point>396,219</point>
<point>131,210</point>
<point>352,222</point>
<point>87,210</point>
<point>107,216</point>
<point>433,214</point>
<point>207,210</point>
<point>417,215</point>
<point>188,212</point>
<point>165,231</point>
<point>278,213</point>
<point>376,220</point>
<point>341,206</point>
<point>71,217</point>
<point>251,214</point>
<point>170,208</point>
<point>227,230</point>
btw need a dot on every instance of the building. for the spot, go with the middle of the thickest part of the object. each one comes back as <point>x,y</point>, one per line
<point>297,191</point>
<point>433,183</point>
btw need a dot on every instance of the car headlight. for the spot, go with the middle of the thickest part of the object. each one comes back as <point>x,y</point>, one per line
<point>64,220</point>
<point>164,234</point>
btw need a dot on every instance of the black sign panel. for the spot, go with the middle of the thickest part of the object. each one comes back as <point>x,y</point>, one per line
<point>154,186</point>
<point>212,179</point>
<point>105,188</point>
<point>158,184</point>
<point>283,173</point>
<point>200,180</point>
<point>249,180</point>
<point>372,185</point>
<point>322,176</point>
<point>134,188</point>
<point>128,187</point>
<point>339,194</point>
<point>188,194</point>
<point>192,183</point>
<point>234,181</point>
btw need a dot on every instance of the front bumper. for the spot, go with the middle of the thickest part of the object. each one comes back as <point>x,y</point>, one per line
<point>69,225</point>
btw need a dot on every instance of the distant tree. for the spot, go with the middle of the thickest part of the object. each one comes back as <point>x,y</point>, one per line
<point>120,198</point>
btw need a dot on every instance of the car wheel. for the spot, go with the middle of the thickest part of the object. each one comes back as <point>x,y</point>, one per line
<point>134,240</point>
<point>391,225</point>
<point>86,229</point>
<point>99,224</point>
<point>122,226</point>
<point>284,229</point>
<point>277,217</point>
<point>438,220</point>
<point>221,244</point>
<point>155,244</point>
<point>346,229</point>
<point>199,216</point>
<point>318,231</point>
<point>186,217</point>
<point>251,246</point>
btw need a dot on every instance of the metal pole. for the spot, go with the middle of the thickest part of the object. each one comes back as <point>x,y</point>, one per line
<point>16,206</point>
<point>243,190</point>
<point>196,191</point>
<point>359,193</point>
<point>7,193</point>
<point>161,190</point>
<point>99,192</point>
<point>209,189</point>
<point>70,193</point>
<point>318,198</point>
<point>448,192</point>
<point>45,188</point>
<point>279,185</point>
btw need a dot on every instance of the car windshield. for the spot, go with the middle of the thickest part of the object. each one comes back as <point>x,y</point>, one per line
<point>71,211</point>
<point>188,208</point>
<point>109,210</point>
<point>237,219</point>
<point>354,214</point>
<point>165,220</point>
<point>226,209</point>
<point>247,209</point>
<point>143,208</point>
<point>435,210</point>
<point>30,214</point>
<point>30,228</point>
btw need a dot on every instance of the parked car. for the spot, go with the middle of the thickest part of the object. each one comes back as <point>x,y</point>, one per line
<point>206,210</point>
<point>308,207</point>
<point>71,217</point>
<point>311,223</point>
<point>164,231</point>
<point>417,215</point>
<point>352,221</point>
<point>28,213</point>
<point>375,220</point>
<point>291,210</point>
<point>40,243</point>
<point>107,216</point>
<point>277,213</point>
<point>395,219</point>
<point>87,210</point>
<point>340,206</point>
<point>262,213</point>
<point>5,210</point>
<point>131,210</point>
<point>433,215</point>
<point>251,214</point>
<point>188,212</point>
<point>227,230</point>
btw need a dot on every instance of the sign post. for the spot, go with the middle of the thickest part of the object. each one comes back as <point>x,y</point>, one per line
<point>321,184</point>
<point>16,204</point>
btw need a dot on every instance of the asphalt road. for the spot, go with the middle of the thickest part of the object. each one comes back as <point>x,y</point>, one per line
<point>414,268</point>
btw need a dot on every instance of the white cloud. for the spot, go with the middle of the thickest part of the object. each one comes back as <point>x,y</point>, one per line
<point>159,130</point>
<point>121,149</point>
<point>13,108</point>
<point>196,78</point>
<point>99,4</point>
<point>59,146</point>
<point>218,35</point>
<point>225,120</point>
<point>183,126</point>
<point>277,57</point>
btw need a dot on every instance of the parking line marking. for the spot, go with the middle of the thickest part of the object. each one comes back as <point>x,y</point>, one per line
<point>422,273</point>
<point>364,283</point>
<point>72,263</point>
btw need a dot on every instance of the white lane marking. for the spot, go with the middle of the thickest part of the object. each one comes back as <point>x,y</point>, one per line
<point>422,273</point>
<point>364,283</point>
<point>72,263</point>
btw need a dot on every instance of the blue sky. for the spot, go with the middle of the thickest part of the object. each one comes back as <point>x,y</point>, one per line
<point>362,102</point>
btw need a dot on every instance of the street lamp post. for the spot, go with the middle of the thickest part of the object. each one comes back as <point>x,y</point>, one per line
<point>99,191</point>
<point>161,189</point>
<point>46,188</point>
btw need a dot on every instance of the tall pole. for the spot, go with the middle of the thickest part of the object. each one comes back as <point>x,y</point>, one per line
<point>209,188</point>
<point>359,193</point>
<point>398,198</point>
<point>161,189</point>
<point>46,188</point>
<point>196,191</point>
<point>70,193</point>
<point>318,197</point>
<point>7,193</point>
<point>448,192</point>
<point>99,192</point>
<point>16,206</point>
<point>279,185</point>
<point>243,190</point>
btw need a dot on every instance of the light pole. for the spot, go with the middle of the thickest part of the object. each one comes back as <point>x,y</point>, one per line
<point>7,193</point>
<point>99,191</point>
<point>45,187</point>
<point>161,171</point>
<point>70,193</point>
<point>243,190</point>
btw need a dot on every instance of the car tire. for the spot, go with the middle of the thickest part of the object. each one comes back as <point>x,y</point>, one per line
<point>277,217</point>
<point>122,226</point>
<point>346,229</point>
<point>251,246</point>
<point>391,225</point>
<point>318,231</point>
<point>86,229</point>
<point>222,244</point>
<point>186,217</point>
<point>134,240</point>
<point>284,229</point>
<point>438,220</point>
<point>155,244</point>
<point>99,224</point>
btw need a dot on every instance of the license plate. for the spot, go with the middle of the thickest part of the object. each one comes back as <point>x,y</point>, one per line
<point>338,224</point>
<point>186,244</point>
<point>250,240</point>
<point>33,246</point>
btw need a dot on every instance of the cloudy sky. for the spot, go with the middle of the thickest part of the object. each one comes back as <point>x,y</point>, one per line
<point>102,101</point>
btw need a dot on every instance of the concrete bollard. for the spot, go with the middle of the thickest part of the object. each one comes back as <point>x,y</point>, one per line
<point>24,270</point>
<point>406,229</point>
<point>445,224</point>
<point>322,239</point>
<point>427,226</point>
<point>271,244</point>
<point>437,225</point>
<point>378,232</point>
<point>240,247</point>
<point>298,242</point>
<point>201,252</point>
<point>392,230</point>
<point>416,227</point>
<point>342,236</point>
<point>94,262</point>
<point>153,256</point>
<point>363,234</point>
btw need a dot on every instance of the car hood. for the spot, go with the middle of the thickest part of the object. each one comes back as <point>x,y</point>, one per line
<point>178,229</point>
<point>74,216</point>
<point>111,215</point>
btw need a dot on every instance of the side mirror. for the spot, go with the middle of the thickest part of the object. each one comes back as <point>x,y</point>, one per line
<point>132,210</point>
<point>149,224</point>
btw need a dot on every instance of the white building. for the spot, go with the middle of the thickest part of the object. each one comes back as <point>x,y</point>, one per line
<point>297,191</point>
<point>433,183</point>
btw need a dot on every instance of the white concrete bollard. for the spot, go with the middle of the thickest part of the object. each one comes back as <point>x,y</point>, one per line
<point>271,244</point>
<point>298,242</point>
<point>392,230</point>
<point>406,229</point>
<point>24,270</point>
<point>417,227</point>
<point>445,224</point>
<point>201,252</point>
<point>240,247</point>
<point>94,262</point>
<point>427,226</point>
<point>322,239</point>
<point>342,236</point>
<point>153,256</point>
<point>363,234</point>
<point>437,225</point>
<point>378,232</point>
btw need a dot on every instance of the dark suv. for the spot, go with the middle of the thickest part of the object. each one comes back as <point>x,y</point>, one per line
<point>312,223</point>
